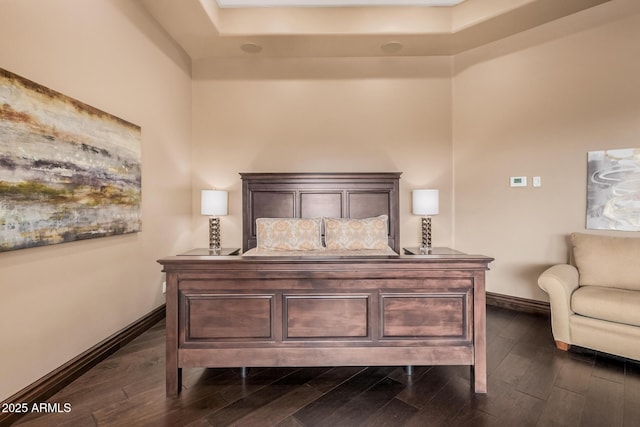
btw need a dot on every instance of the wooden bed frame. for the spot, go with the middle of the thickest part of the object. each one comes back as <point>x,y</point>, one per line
<point>405,310</point>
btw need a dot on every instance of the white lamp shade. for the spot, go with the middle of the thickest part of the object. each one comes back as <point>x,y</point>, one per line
<point>213,202</point>
<point>426,202</point>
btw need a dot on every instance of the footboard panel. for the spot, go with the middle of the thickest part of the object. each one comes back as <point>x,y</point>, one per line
<point>426,315</point>
<point>326,316</point>
<point>227,317</point>
<point>248,312</point>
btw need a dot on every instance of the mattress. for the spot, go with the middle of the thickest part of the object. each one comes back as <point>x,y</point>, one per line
<point>335,253</point>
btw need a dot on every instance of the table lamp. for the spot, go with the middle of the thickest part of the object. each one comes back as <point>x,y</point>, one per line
<point>426,203</point>
<point>213,203</point>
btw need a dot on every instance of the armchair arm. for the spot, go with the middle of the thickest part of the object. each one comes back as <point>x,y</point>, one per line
<point>560,281</point>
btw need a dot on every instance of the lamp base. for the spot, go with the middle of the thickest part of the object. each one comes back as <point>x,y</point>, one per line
<point>214,234</point>
<point>426,235</point>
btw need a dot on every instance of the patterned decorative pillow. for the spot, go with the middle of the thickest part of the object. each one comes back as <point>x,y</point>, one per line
<point>289,234</point>
<point>348,233</point>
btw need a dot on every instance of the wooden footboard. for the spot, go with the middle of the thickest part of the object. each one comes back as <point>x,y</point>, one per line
<point>249,312</point>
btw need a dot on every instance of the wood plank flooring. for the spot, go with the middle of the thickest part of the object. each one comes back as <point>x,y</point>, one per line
<point>530,384</point>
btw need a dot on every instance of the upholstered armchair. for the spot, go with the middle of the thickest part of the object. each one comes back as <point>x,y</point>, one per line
<point>595,301</point>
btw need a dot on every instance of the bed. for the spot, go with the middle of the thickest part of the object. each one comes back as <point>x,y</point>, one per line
<point>316,306</point>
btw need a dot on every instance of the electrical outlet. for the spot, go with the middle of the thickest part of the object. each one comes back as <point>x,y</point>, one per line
<point>537,181</point>
<point>164,287</point>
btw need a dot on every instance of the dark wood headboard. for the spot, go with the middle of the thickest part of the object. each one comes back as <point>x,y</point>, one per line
<point>309,195</point>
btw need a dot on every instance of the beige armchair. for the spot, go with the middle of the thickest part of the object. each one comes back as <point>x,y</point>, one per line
<point>596,302</point>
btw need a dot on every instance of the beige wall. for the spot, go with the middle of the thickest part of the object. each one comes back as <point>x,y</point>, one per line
<point>534,104</point>
<point>58,301</point>
<point>323,115</point>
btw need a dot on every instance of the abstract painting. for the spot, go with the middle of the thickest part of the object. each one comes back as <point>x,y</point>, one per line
<point>613,190</point>
<point>68,171</point>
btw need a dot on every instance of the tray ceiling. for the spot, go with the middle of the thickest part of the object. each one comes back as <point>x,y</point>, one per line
<point>204,29</point>
<point>334,3</point>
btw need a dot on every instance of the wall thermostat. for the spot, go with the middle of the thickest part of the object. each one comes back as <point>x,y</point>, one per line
<point>518,181</point>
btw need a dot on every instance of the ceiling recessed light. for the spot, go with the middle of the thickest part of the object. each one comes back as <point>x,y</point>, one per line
<point>391,47</point>
<point>250,47</point>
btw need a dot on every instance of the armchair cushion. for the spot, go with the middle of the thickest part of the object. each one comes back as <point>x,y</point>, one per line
<point>613,305</point>
<point>607,261</point>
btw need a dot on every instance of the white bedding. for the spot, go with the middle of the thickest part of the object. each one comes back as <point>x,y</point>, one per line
<point>323,253</point>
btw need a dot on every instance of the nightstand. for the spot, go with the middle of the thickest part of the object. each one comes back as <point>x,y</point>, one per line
<point>434,251</point>
<point>210,252</point>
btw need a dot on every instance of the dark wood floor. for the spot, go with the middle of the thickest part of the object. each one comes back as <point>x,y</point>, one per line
<point>530,384</point>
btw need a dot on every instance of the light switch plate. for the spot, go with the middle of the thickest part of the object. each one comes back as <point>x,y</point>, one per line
<point>518,181</point>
